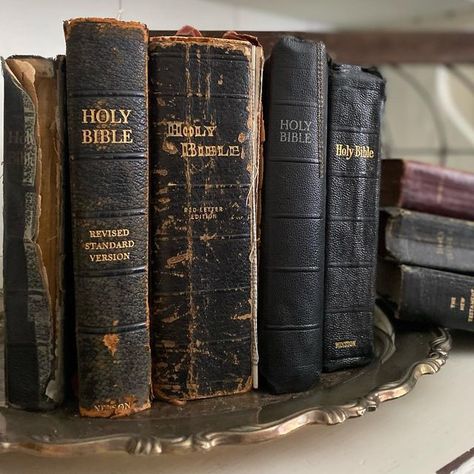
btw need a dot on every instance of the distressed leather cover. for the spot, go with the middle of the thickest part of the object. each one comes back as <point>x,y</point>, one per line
<point>293,216</point>
<point>427,295</point>
<point>427,188</point>
<point>416,238</point>
<point>205,104</point>
<point>106,72</point>
<point>356,98</point>
<point>33,239</point>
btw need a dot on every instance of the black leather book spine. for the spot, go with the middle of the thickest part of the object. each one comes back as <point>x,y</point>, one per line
<point>33,232</point>
<point>205,104</point>
<point>429,296</point>
<point>108,154</point>
<point>416,238</point>
<point>356,98</point>
<point>69,346</point>
<point>293,216</point>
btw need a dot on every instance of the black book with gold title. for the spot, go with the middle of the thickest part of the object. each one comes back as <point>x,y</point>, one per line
<point>293,216</point>
<point>356,98</point>
<point>108,152</point>
<point>205,141</point>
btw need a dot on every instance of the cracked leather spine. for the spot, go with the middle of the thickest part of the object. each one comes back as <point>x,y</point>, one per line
<point>293,216</point>
<point>356,98</point>
<point>107,112</point>
<point>34,293</point>
<point>205,104</point>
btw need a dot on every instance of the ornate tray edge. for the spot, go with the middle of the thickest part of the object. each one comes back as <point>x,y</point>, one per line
<point>205,441</point>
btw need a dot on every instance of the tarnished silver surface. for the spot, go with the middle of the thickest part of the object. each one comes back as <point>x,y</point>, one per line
<point>404,354</point>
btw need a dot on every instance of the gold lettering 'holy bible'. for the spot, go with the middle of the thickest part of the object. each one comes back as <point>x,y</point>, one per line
<point>205,103</point>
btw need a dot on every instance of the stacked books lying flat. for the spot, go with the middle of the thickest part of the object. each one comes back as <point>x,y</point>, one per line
<point>148,224</point>
<point>426,268</point>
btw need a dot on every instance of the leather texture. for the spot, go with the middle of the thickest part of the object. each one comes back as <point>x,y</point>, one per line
<point>417,238</point>
<point>107,70</point>
<point>33,201</point>
<point>356,98</point>
<point>427,188</point>
<point>290,317</point>
<point>202,214</point>
<point>427,295</point>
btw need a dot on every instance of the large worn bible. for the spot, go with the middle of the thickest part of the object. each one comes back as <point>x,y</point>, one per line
<point>205,141</point>
<point>108,155</point>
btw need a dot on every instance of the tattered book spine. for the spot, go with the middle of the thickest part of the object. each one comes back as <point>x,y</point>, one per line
<point>33,240</point>
<point>108,152</point>
<point>356,98</point>
<point>294,204</point>
<point>205,104</point>
<point>417,238</point>
<point>426,295</point>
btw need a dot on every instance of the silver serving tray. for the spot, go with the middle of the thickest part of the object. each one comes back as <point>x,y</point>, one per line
<point>404,354</point>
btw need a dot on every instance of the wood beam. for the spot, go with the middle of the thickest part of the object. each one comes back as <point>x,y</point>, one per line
<point>379,47</point>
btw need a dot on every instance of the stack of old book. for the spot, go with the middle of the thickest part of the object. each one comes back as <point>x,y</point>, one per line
<point>133,218</point>
<point>426,267</point>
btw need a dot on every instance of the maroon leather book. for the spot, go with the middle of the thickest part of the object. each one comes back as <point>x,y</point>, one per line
<point>427,188</point>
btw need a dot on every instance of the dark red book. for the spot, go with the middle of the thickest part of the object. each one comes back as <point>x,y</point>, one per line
<point>427,188</point>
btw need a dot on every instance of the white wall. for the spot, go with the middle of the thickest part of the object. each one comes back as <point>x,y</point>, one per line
<point>406,114</point>
<point>40,30</point>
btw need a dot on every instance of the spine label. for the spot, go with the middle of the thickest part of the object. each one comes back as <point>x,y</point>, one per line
<point>108,144</point>
<point>204,163</point>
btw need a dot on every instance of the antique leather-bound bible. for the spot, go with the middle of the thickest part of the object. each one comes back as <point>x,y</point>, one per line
<point>356,97</point>
<point>417,238</point>
<point>205,112</point>
<point>427,188</point>
<point>33,240</point>
<point>293,216</point>
<point>108,155</point>
<point>427,295</point>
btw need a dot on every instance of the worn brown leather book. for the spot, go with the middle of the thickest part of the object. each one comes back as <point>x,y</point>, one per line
<point>205,113</point>
<point>108,152</point>
<point>33,239</point>
<point>427,188</point>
